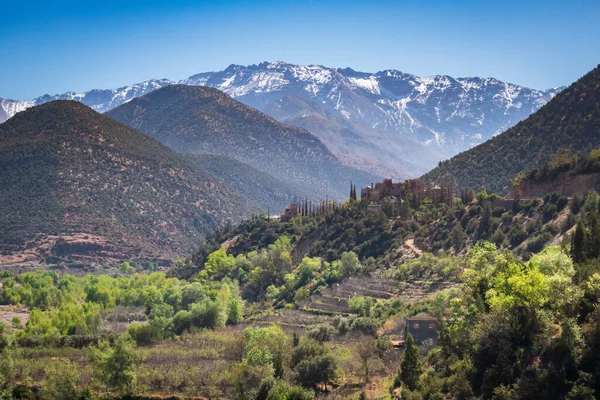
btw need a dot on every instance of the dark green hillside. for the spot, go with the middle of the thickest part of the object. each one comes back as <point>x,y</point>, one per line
<point>570,120</point>
<point>201,120</point>
<point>101,188</point>
<point>258,187</point>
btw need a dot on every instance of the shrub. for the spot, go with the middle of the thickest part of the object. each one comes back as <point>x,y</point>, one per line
<point>536,243</point>
<point>182,321</point>
<point>322,333</point>
<point>145,335</point>
<point>361,305</point>
<point>207,315</point>
<point>365,325</point>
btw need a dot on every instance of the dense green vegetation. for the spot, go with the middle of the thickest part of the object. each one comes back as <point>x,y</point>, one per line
<point>570,120</point>
<point>508,327</point>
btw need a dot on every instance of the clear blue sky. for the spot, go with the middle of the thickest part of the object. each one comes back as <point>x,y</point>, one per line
<point>57,46</point>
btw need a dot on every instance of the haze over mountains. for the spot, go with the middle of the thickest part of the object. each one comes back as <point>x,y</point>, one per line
<point>390,123</point>
<point>202,120</point>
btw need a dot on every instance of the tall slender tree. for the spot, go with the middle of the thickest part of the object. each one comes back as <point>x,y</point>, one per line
<point>410,366</point>
<point>593,247</point>
<point>578,243</point>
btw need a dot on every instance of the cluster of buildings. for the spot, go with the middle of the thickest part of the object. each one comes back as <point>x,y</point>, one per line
<point>291,211</point>
<point>409,189</point>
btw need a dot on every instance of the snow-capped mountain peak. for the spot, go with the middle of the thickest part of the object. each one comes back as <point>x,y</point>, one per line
<point>389,116</point>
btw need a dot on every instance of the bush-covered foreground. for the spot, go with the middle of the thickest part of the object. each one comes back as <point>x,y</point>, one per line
<point>508,327</point>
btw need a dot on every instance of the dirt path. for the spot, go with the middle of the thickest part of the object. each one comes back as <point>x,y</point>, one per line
<point>410,243</point>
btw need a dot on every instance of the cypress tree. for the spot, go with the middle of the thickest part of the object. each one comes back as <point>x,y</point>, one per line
<point>578,243</point>
<point>593,246</point>
<point>410,366</point>
<point>484,221</point>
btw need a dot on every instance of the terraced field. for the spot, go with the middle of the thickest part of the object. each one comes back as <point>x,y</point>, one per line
<point>290,320</point>
<point>334,300</point>
<point>319,308</point>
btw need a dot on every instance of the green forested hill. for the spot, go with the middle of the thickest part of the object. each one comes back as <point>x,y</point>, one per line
<point>570,120</point>
<point>68,171</point>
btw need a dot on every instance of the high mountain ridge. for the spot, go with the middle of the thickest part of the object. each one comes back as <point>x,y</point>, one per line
<point>395,122</point>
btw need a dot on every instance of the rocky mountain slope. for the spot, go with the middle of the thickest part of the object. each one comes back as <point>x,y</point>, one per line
<point>392,121</point>
<point>205,120</point>
<point>571,121</point>
<point>78,186</point>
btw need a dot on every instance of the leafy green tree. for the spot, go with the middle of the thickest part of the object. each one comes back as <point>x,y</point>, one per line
<point>322,332</point>
<point>306,270</point>
<point>114,366</point>
<point>126,268</point>
<point>410,366</point>
<point>218,265</point>
<point>363,306</point>
<point>192,293</point>
<point>313,371</point>
<point>182,321</point>
<point>247,379</point>
<point>173,297</point>
<point>267,346</point>
<point>312,364</point>
<point>234,312</point>
<point>145,334</point>
<point>350,264</point>
<point>207,314</point>
<point>591,205</point>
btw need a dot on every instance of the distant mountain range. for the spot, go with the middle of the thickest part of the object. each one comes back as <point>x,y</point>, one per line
<point>389,122</point>
<point>203,120</point>
<point>570,121</point>
<point>77,185</point>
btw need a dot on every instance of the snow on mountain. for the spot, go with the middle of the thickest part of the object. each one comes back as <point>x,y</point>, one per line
<point>388,118</point>
<point>437,110</point>
<point>100,100</point>
<point>8,108</point>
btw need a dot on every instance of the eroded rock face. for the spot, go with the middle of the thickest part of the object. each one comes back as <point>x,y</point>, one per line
<point>564,184</point>
<point>67,252</point>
